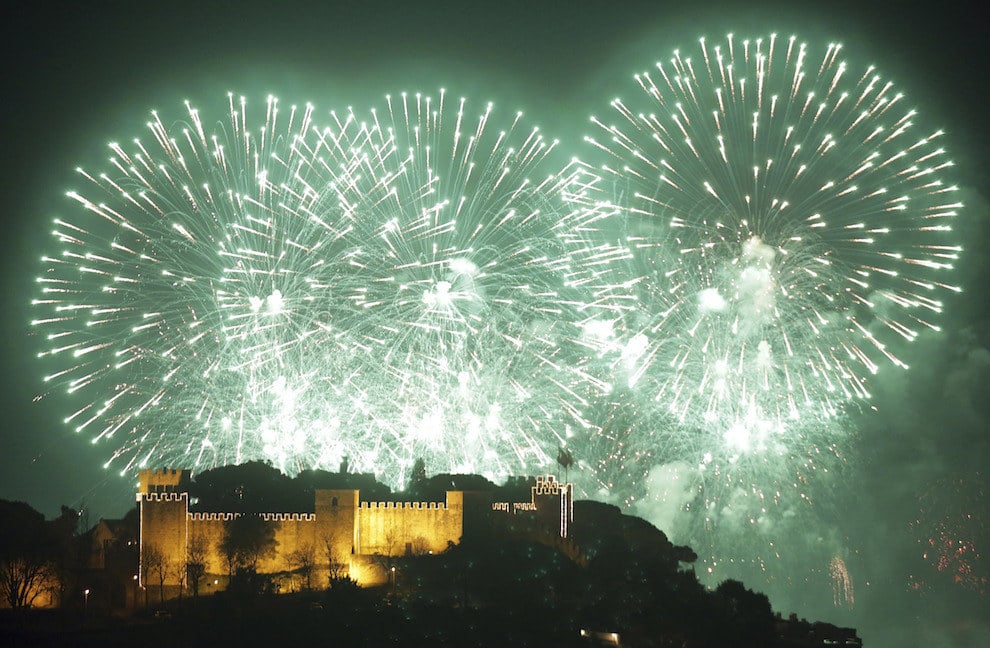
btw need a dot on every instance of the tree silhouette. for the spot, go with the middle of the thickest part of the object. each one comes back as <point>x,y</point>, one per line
<point>335,543</point>
<point>336,567</point>
<point>387,555</point>
<point>252,487</point>
<point>417,476</point>
<point>247,540</point>
<point>748,615</point>
<point>155,564</point>
<point>32,551</point>
<point>196,555</point>
<point>303,560</point>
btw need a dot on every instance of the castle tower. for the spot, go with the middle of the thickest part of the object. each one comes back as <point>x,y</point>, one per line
<point>164,522</point>
<point>336,528</point>
<point>554,503</point>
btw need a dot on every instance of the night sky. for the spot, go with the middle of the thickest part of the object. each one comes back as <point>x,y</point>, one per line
<point>80,75</point>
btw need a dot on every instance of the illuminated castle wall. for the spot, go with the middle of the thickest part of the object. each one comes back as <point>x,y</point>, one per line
<point>551,506</point>
<point>354,530</point>
<point>341,528</point>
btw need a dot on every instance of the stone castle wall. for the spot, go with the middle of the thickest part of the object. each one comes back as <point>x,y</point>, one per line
<point>293,532</point>
<point>164,529</point>
<point>341,529</point>
<point>343,536</point>
<point>395,528</point>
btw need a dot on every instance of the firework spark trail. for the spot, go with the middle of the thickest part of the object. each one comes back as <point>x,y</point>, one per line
<point>781,227</point>
<point>790,226</point>
<point>463,281</point>
<point>383,287</point>
<point>842,584</point>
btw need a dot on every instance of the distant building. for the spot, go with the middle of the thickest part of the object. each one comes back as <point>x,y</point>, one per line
<point>62,567</point>
<point>108,541</point>
<point>106,565</point>
<point>799,633</point>
<point>550,509</point>
<point>345,536</point>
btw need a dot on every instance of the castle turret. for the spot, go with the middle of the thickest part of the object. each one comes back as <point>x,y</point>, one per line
<point>162,481</point>
<point>164,523</point>
<point>337,532</point>
<point>554,503</point>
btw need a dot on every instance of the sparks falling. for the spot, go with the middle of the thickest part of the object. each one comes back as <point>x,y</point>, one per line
<point>782,225</point>
<point>382,287</point>
<point>787,225</point>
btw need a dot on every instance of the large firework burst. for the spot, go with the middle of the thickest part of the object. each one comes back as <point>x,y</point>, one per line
<point>788,225</point>
<point>383,287</point>
<point>780,227</point>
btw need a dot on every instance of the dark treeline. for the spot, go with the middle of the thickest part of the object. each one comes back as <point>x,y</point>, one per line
<point>508,582</point>
<point>35,554</point>
<point>258,487</point>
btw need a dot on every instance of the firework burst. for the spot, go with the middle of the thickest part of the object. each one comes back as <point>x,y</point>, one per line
<point>951,535</point>
<point>383,288</point>
<point>788,226</point>
<point>780,226</point>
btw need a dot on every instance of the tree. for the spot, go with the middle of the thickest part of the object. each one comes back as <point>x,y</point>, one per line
<point>196,562</point>
<point>22,580</point>
<point>247,540</point>
<point>64,550</point>
<point>251,487</point>
<point>304,560</point>
<point>434,488</point>
<point>30,550</point>
<point>748,614</point>
<point>337,569</point>
<point>419,546</point>
<point>417,476</point>
<point>387,557</point>
<point>155,564</point>
<point>338,544</point>
<point>228,549</point>
<point>179,570</point>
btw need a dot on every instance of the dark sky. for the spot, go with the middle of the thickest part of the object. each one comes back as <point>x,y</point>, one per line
<point>79,74</point>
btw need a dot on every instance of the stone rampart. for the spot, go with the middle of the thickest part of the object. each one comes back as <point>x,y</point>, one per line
<point>342,536</point>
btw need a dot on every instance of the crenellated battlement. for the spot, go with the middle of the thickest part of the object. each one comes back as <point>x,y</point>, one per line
<point>212,517</point>
<point>289,517</point>
<point>268,517</point>
<point>549,499</point>
<point>161,480</point>
<point>442,506</point>
<point>353,530</point>
<point>547,485</point>
<point>164,497</point>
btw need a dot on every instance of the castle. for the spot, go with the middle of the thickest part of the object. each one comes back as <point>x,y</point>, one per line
<point>343,536</point>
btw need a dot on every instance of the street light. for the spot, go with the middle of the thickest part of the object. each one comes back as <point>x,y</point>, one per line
<point>85,600</point>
